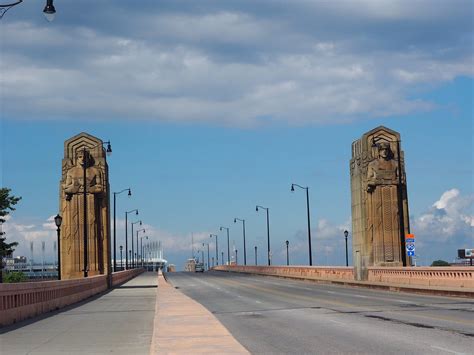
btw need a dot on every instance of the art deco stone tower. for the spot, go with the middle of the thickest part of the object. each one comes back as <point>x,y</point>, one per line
<point>379,194</point>
<point>84,152</point>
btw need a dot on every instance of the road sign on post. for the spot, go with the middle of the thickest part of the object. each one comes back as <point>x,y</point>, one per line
<point>410,244</point>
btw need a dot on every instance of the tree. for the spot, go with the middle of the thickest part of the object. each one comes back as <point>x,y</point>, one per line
<point>7,201</point>
<point>440,263</point>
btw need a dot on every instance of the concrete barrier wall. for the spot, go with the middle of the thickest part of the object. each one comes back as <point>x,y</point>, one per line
<point>303,272</point>
<point>19,301</point>
<point>451,277</point>
<point>462,277</point>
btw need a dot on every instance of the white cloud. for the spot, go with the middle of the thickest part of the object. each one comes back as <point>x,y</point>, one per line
<point>236,66</point>
<point>450,219</point>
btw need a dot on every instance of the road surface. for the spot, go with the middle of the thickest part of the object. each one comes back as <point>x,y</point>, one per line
<point>273,315</point>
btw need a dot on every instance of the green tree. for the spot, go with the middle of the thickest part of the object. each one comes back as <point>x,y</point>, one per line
<point>7,201</point>
<point>440,263</point>
<point>16,276</point>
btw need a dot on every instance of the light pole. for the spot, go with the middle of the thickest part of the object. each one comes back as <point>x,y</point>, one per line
<point>255,255</point>
<point>121,260</point>
<point>141,245</point>
<point>202,254</point>
<point>126,237</point>
<point>85,152</point>
<point>115,224</point>
<point>228,247</point>
<point>309,222</point>
<point>401,217</point>
<point>208,264</point>
<point>268,232</point>
<point>136,250</point>
<point>49,11</point>
<point>243,228</point>
<point>346,233</point>
<point>236,257</point>
<point>287,253</point>
<point>58,220</point>
<point>222,257</point>
<point>217,253</point>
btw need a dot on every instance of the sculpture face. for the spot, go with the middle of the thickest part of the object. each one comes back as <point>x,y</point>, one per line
<point>80,158</point>
<point>384,152</point>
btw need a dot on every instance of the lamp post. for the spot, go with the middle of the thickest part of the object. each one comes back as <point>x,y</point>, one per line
<point>139,250</point>
<point>401,217</point>
<point>202,255</point>
<point>49,10</point>
<point>217,253</point>
<point>287,253</point>
<point>255,255</point>
<point>141,246</point>
<point>268,232</point>
<point>346,233</point>
<point>228,246</point>
<point>115,224</point>
<point>126,237</point>
<point>243,228</point>
<point>85,162</point>
<point>222,256</point>
<point>236,257</point>
<point>309,222</point>
<point>58,220</point>
<point>133,251</point>
<point>121,260</point>
<point>208,264</point>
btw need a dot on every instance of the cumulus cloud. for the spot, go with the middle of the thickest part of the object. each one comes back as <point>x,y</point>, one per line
<point>235,63</point>
<point>448,220</point>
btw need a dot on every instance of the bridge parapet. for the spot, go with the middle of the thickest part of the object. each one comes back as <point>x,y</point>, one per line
<point>19,301</point>
<point>304,272</point>
<point>424,276</point>
<point>436,280</point>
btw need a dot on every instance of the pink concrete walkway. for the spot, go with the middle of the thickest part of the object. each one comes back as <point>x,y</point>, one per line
<point>183,326</point>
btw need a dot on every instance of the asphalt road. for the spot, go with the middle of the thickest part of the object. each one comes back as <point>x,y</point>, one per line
<point>119,322</point>
<point>273,315</point>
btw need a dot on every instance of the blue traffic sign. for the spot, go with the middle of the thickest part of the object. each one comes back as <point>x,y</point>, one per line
<point>411,253</point>
<point>410,247</point>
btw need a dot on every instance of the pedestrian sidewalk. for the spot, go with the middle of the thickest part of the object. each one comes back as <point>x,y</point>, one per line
<point>183,326</point>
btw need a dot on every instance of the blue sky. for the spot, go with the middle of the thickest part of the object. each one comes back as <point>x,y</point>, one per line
<point>215,107</point>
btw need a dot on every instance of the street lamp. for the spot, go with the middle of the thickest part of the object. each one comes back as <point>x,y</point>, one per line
<point>126,237</point>
<point>208,264</point>
<point>228,247</point>
<point>217,253</point>
<point>58,220</point>
<point>309,223</point>
<point>346,233</point>
<point>287,253</point>
<point>115,224</point>
<point>268,232</point>
<point>121,260</point>
<point>49,10</point>
<point>141,246</point>
<point>141,230</point>
<point>85,162</point>
<point>133,251</point>
<point>401,217</point>
<point>243,226</point>
<point>255,255</point>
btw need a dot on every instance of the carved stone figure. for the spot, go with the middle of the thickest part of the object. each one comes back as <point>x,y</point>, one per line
<point>84,152</point>
<point>375,188</point>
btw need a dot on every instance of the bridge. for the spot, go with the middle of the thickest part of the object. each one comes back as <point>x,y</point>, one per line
<point>237,312</point>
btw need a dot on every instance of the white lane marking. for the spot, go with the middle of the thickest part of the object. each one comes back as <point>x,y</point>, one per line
<point>444,349</point>
<point>337,322</point>
<point>361,296</point>
<point>258,302</point>
<point>331,292</point>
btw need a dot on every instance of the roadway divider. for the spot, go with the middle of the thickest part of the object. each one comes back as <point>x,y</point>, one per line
<point>446,281</point>
<point>183,326</point>
<point>19,301</point>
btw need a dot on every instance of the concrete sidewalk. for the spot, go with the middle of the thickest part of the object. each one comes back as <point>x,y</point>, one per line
<point>183,326</point>
<point>118,321</point>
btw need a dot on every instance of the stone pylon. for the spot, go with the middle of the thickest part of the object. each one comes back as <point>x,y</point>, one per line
<point>84,153</point>
<point>379,201</point>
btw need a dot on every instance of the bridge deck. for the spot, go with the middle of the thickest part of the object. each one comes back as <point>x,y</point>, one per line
<point>119,321</point>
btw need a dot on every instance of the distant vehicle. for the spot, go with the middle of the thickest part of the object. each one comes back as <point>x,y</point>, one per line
<point>199,267</point>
